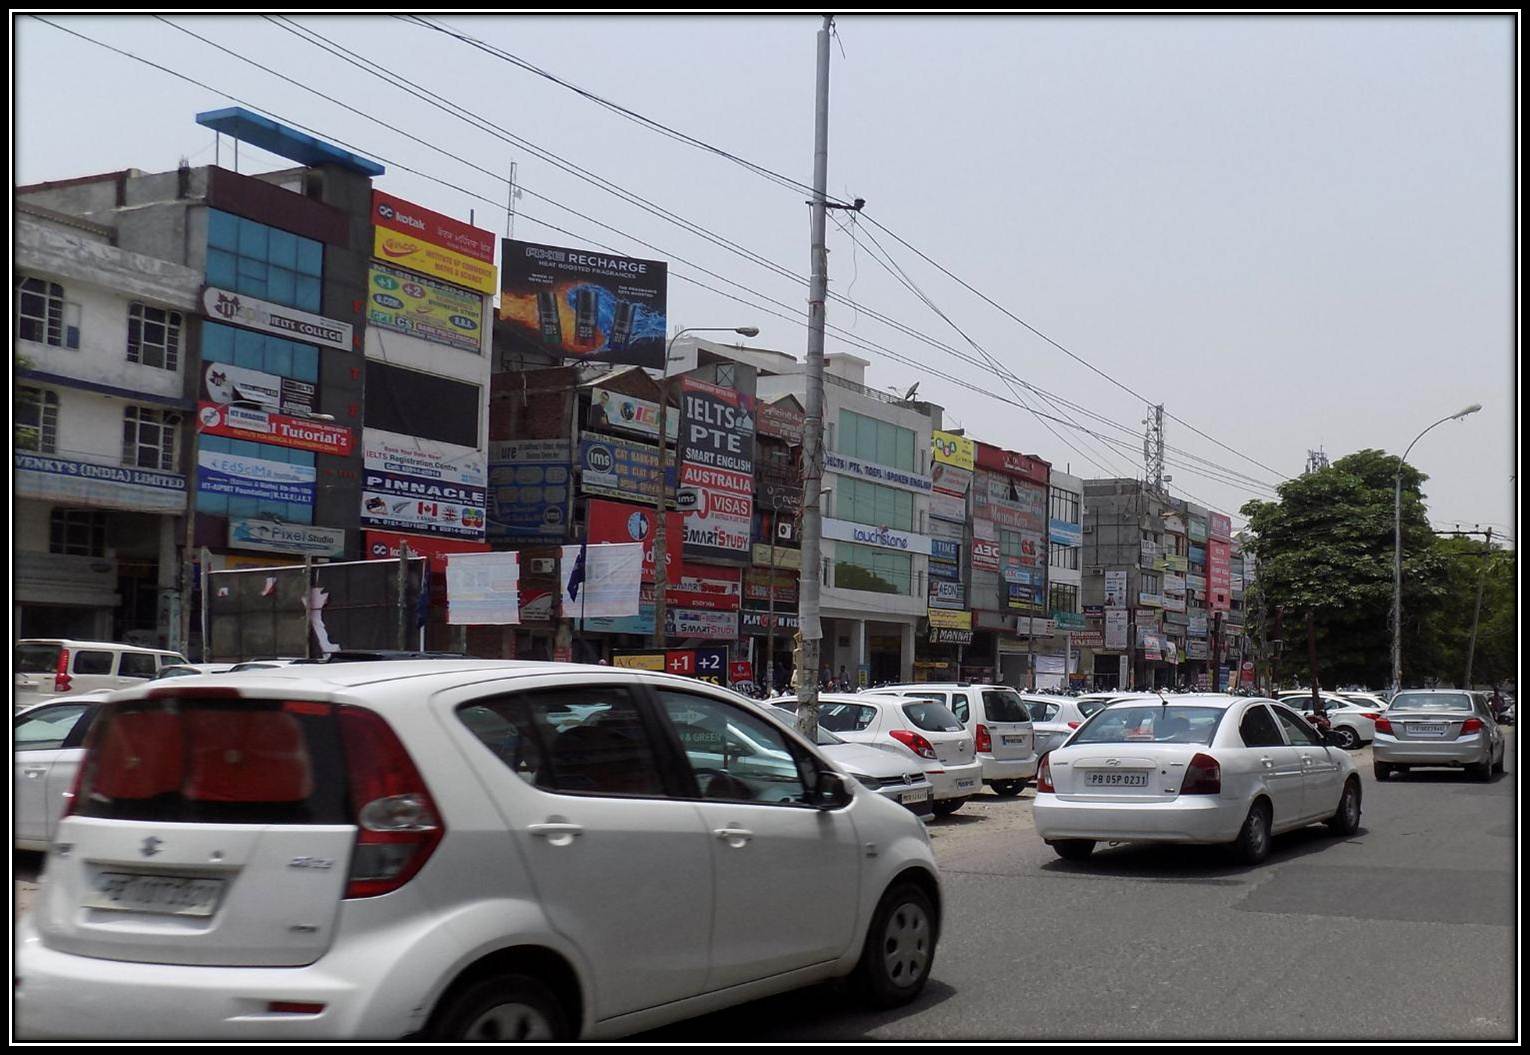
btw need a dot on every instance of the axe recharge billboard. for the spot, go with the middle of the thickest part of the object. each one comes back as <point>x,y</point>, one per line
<point>584,304</point>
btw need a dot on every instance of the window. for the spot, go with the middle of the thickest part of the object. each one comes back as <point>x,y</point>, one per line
<point>46,728</point>
<point>1258,729</point>
<point>1065,506</point>
<point>44,316</point>
<point>261,261</point>
<point>418,404</point>
<point>1004,705</point>
<point>735,756</point>
<point>1151,723</point>
<point>77,532</point>
<point>845,717</point>
<point>36,420</point>
<point>260,351</point>
<point>154,336</point>
<point>876,441</point>
<point>1431,701</point>
<point>873,569</point>
<point>1298,732</point>
<point>1064,556</point>
<point>92,663</point>
<point>1064,597</point>
<point>932,717</point>
<point>1151,583</point>
<point>867,503</point>
<point>586,741</point>
<point>148,438</point>
<point>136,665</point>
<point>1043,712</point>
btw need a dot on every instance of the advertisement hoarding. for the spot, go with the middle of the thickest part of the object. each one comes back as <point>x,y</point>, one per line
<point>947,448</point>
<point>618,468</point>
<point>241,477</point>
<point>421,307</point>
<point>224,383</point>
<point>530,487</point>
<point>716,449</point>
<point>422,487</point>
<point>1115,589</point>
<point>253,313</point>
<point>264,426</point>
<point>401,249</point>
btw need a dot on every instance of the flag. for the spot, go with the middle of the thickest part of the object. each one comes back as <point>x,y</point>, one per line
<point>422,605</point>
<point>576,577</point>
<point>602,580</point>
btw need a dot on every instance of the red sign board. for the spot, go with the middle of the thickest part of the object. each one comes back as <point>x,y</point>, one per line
<point>985,555</point>
<point>681,662</point>
<point>264,426</point>
<point>1013,463</point>
<point>396,214</point>
<point>1218,576</point>
<point>1221,526</point>
<point>740,670</point>
<point>384,545</point>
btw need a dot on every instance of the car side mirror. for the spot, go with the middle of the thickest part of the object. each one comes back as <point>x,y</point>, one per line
<point>1332,739</point>
<point>832,791</point>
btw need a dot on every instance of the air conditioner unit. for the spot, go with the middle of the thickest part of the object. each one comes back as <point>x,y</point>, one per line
<point>540,565</point>
<point>1096,571</point>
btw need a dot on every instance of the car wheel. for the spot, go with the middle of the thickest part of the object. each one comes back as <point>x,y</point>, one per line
<point>1346,819</point>
<point>900,948</point>
<point>1383,770</point>
<point>946,807</point>
<point>1074,849</point>
<point>1253,843</point>
<point>1498,766</point>
<point>1007,789</point>
<point>505,1007</point>
<point>1348,738</point>
<point>1483,771</point>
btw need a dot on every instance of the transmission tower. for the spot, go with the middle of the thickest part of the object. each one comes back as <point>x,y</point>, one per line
<point>1152,449</point>
<point>1316,461</point>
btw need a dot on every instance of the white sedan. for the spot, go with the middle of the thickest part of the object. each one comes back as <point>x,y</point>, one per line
<point>1193,769</point>
<point>925,729</point>
<point>1353,723</point>
<point>1053,718</point>
<point>49,742</point>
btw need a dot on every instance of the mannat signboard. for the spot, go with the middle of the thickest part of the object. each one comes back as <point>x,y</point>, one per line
<point>1013,463</point>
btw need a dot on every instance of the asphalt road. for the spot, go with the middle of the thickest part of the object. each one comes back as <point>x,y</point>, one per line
<point>1404,931</point>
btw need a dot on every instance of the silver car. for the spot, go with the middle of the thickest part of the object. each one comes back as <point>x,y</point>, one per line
<point>1438,727</point>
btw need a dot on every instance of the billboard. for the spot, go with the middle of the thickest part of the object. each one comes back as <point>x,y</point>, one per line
<point>951,449</point>
<point>1115,589</point>
<point>405,217</point>
<point>619,468</point>
<point>717,464</point>
<point>224,383</point>
<point>687,585</point>
<point>416,254</point>
<point>414,485</point>
<point>264,426</point>
<point>530,484</point>
<point>584,304</point>
<point>613,410</point>
<point>1218,573</point>
<point>242,477</point>
<point>422,307</point>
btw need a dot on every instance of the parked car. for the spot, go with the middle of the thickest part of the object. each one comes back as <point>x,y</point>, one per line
<point>883,772</point>
<point>999,722</point>
<point>1438,728</point>
<point>1371,701</point>
<point>410,849</point>
<point>1353,724</point>
<point>1053,718</point>
<point>50,667</point>
<point>48,742</point>
<point>923,729</point>
<point>184,670</point>
<point>263,664</point>
<point>1199,768</point>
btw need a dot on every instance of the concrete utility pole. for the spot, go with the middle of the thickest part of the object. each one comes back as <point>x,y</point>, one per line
<point>1471,649</point>
<point>810,629</point>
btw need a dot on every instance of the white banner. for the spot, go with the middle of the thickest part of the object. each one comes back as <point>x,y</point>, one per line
<point>1115,589</point>
<point>244,310</point>
<point>1115,628</point>
<point>835,462</point>
<point>483,589</point>
<point>867,535</point>
<point>612,579</point>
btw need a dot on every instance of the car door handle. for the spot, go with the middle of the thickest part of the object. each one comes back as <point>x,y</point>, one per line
<point>734,837</point>
<point>552,831</point>
<point>35,772</point>
<point>1269,763</point>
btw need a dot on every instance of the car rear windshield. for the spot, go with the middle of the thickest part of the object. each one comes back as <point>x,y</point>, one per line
<point>1147,723</point>
<point>1431,701</point>
<point>824,737</point>
<point>845,717</point>
<point>1004,705</point>
<point>932,717</point>
<point>215,761</point>
<point>36,659</point>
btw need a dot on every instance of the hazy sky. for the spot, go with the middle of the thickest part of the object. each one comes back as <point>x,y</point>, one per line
<point>1294,232</point>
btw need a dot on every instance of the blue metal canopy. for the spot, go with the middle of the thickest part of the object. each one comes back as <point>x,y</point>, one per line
<point>249,127</point>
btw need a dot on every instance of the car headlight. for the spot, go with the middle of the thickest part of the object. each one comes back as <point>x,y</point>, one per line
<point>870,783</point>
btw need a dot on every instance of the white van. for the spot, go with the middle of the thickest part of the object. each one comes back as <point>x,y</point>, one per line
<point>49,667</point>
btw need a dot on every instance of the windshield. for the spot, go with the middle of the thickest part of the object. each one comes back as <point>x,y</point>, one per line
<point>1042,711</point>
<point>845,717</point>
<point>824,737</point>
<point>932,717</point>
<point>1148,723</point>
<point>1431,701</point>
<point>1004,705</point>
<point>1088,707</point>
<point>36,659</point>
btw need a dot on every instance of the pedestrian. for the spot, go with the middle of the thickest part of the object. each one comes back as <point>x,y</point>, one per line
<point>844,680</point>
<point>1498,704</point>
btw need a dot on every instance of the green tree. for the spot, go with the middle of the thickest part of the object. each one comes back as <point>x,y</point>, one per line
<point>1464,561</point>
<point>1326,546</point>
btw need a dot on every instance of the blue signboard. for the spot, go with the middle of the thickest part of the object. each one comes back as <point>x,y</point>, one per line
<point>231,474</point>
<point>620,468</point>
<point>530,487</point>
<point>948,550</point>
<point>1066,534</point>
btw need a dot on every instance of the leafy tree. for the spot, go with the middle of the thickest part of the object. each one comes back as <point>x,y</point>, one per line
<point>1326,546</point>
<point>1465,560</point>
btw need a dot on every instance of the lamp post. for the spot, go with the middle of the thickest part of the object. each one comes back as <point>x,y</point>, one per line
<point>661,522</point>
<point>1397,548</point>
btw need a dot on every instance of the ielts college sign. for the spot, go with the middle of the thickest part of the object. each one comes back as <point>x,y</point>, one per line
<point>256,314</point>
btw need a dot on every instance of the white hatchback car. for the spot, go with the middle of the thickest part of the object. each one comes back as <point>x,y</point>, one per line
<point>1193,769</point>
<point>922,729</point>
<point>49,741</point>
<point>999,722</point>
<point>427,848</point>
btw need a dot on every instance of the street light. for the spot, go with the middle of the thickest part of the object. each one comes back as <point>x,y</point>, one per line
<point>661,522</point>
<point>1397,549</point>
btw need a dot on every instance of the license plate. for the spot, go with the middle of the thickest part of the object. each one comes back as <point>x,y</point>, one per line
<point>914,796</point>
<point>972,783</point>
<point>1015,740</point>
<point>1427,728</point>
<point>162,894</point>
<point>1113,780</point>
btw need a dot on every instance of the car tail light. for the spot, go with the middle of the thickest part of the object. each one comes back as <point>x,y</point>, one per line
<point>1383,726</point>
<point>1044,775</point>
<point>1370,717</point>
<point>914,742</point>
<point>984,741</point>
<point>61,672</point>
<point>1074,725</point>
<point>87,761</point>
<point>398,826</point>
<point>1202,777</point>
<point>1471,725</point>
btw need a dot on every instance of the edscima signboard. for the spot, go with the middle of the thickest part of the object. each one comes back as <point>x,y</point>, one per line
<point>717,461</point>
<point>584,304</point>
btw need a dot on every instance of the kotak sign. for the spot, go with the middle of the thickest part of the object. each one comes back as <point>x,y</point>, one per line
<point>396,214</point>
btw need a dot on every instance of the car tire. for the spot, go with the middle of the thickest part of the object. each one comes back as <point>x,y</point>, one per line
<point>1348,738</point>
<point>1383,770</point>
<point>1346,819</point>
<point>946,807</point>
<point>505,1007</point>
<point>1498,766</point>
<point>1253,843</point>
<point>1483,771</point>
<point>1073,849</point>
<point>1007,789</point>
<point>899,950</point>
